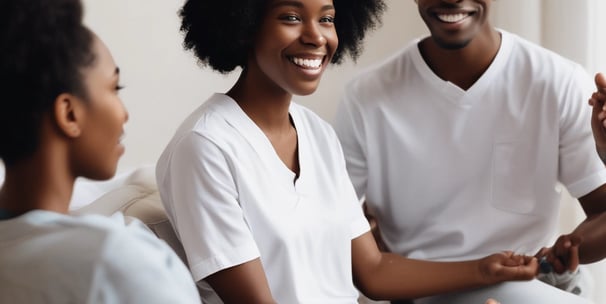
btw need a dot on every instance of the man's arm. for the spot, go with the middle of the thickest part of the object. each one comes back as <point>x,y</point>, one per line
<point>592,230</point>
<point>586,244</point>
<point>598,115</point>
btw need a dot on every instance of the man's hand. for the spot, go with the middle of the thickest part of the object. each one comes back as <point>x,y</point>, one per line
<point>598,116</point>
<point>563,255</point>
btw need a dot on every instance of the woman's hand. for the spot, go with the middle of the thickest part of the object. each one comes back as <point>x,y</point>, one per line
<point>507,266</point>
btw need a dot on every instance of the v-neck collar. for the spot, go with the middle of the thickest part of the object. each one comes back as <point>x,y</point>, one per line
<point>240,121</point>
<point>454,93</point>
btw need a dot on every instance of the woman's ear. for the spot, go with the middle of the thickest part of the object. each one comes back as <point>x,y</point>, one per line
<point>69,115</point>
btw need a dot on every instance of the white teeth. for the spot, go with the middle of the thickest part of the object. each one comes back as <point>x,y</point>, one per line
<point>452,18</point>
<point>307,63</point>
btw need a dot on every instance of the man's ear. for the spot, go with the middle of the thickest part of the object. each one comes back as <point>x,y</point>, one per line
<point>69,114</point>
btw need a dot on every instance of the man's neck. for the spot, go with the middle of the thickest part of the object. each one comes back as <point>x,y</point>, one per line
<point>464,66</point>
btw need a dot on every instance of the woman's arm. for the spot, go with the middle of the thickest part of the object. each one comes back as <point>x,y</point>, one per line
<point>244,283</point>
<point>390,276</point>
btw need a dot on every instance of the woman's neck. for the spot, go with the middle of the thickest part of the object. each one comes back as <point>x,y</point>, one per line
<point>267,105</point>
<point>36,184</point>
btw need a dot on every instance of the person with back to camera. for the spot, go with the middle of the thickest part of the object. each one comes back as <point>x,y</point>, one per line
<point>457,144</point>
<point>62,118</point>
<point>256,186</point>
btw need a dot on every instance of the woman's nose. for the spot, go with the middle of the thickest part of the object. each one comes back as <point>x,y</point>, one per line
<point>313,35</point>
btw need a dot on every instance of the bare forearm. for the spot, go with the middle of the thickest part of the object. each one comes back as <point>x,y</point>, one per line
<point>593,235</point>
<point>389,276</point>
<point>397,277</point>
<point>245,283</point>
<point>602,153</point>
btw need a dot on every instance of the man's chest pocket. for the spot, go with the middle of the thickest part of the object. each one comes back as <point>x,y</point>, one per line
<point>515,183</point>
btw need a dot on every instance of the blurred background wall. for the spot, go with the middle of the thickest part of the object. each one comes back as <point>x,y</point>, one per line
<point>164,83</point>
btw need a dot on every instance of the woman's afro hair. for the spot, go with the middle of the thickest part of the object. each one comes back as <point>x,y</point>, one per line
<point>221,33</point>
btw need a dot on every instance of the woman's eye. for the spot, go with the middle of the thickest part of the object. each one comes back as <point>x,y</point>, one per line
<point>290,18</point>
<point>327,19</point>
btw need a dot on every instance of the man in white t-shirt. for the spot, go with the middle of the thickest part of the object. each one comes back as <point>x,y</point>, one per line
<point>459,141</point>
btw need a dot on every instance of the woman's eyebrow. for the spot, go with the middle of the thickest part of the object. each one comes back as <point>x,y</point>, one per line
<point>298,4</point>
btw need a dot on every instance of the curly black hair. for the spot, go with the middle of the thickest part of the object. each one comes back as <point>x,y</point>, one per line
<point>44,47</point>
<point>221,33</point>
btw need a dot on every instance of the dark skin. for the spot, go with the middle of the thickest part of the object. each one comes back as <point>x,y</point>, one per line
<point>598,119</point>
<point>591,231</point>
<point>273,121</point>
<point>463,66</point>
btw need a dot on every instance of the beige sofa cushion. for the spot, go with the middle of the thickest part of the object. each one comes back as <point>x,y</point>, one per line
<point>138,197</point>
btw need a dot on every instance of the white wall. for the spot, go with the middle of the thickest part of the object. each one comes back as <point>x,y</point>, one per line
<point>596,48</point>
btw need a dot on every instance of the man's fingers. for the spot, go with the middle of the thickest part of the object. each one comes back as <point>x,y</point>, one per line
<point>600,81</point>
<point>573,258</point>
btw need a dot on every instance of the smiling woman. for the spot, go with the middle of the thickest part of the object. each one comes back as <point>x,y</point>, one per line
<point>255,184</point>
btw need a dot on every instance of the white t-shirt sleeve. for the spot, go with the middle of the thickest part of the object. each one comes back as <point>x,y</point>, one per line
<point>206,213</point>
<point>580,172</point>
<point>358,222</point>
<point>136,267</point>
<point>349,127</point>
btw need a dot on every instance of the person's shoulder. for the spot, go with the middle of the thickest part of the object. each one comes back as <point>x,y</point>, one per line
<point>131,234</point>
<point>532,62</point>
<point>103,227</point>
<point>207,123</point>
<point>536,54</point>
<point>127,246</point>
<point>84,239</point>
<point>374,79</point>
<point>68,234</point>
<point>209,116</point>
<point>135,264</point>
<point>386,66</point>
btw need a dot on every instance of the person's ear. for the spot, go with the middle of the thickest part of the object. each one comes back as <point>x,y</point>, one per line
<point>69,115</point>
